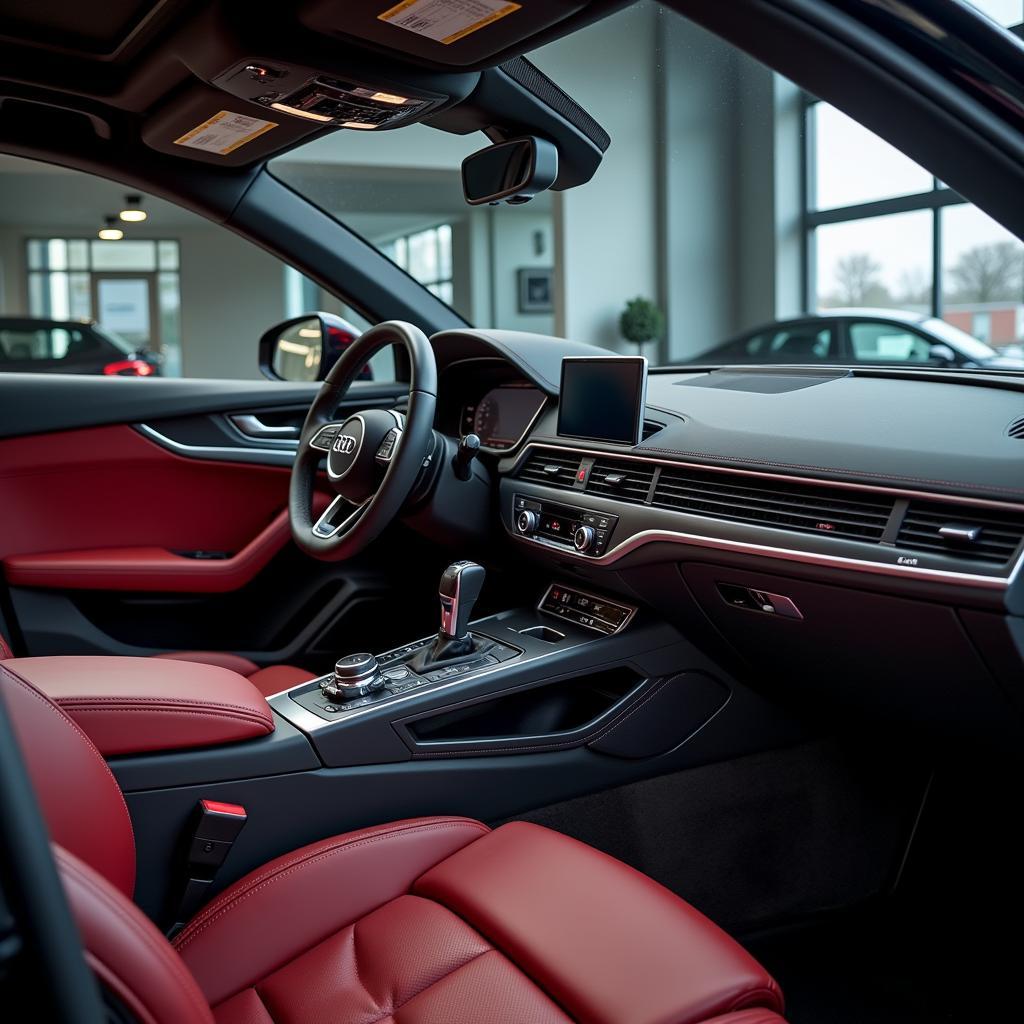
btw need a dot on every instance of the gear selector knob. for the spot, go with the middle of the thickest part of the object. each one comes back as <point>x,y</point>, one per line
<point>460,586</point>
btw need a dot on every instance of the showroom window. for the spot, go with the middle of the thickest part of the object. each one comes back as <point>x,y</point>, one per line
<point>427,256</point>
<point>882,232</point>
<point>129,287</point>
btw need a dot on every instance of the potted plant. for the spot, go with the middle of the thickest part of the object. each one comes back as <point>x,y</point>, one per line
<point>641,321</point>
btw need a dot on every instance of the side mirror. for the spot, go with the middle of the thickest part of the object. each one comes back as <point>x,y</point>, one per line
<point>513,171</point>
<point>306,347</point>
<point>942,354</point>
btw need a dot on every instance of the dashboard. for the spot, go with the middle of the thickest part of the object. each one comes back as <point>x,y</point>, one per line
<point>850,537</point>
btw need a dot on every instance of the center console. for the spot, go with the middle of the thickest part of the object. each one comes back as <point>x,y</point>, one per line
<point>528,679</point>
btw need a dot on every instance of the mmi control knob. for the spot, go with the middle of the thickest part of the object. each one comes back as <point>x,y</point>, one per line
<point>526,521</point>
<point>583,539</point>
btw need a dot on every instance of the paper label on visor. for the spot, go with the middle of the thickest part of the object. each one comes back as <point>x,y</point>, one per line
<point>225,132</point>
<point>446,21</point>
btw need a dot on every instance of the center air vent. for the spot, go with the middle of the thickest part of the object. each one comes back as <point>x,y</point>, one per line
<point>621,478</point>
<point>836,512</point>
<point>1016,428</point>
<point>551,468</point>
<point>978,534</point>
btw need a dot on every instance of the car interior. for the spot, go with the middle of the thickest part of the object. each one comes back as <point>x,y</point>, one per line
<point>432,673</point>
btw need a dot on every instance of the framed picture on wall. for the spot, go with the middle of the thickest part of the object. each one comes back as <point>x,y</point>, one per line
<point>536,290</point>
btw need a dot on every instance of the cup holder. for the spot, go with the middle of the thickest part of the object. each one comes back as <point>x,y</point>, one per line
<point>545,633</point>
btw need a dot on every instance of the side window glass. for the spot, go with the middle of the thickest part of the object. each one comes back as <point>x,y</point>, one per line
<point>800,345</point>
<point>887,343</point>
<point>161,291</point>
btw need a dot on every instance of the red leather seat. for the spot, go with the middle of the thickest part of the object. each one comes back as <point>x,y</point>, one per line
<point>427,921</point>
<point>269,680</point>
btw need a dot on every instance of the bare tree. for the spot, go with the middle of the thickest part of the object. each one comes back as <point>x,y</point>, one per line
<point>857,277</point>
<point>989,273</point>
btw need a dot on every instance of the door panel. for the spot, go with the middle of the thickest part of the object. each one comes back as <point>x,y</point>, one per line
<point>103,522</point>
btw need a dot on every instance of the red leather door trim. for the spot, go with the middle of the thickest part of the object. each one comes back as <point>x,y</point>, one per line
<point>153,569</point>
<point>129,505</point>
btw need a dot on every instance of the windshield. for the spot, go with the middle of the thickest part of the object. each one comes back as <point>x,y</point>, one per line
<point>728,199</point>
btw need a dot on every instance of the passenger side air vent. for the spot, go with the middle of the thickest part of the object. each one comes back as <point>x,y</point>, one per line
<point>836,512</point>
<point>622,479</point>
<point>1016,428</point>
<point>551,468</point>
<point>979,534</point>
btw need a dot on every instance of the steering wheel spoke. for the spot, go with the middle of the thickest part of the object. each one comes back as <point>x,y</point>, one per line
<point>338,518</point>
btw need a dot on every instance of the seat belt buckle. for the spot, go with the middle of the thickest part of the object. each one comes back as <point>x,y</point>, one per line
<point>213,829</point>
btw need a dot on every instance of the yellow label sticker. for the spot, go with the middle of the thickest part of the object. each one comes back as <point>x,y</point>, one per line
<point>446,21</point>
<point>225,132</point>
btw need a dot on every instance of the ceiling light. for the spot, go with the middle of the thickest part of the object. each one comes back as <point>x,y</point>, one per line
<point>133,212</point>
<point>357,124</point>
<point>111,233</point>
<point>299,112</point>
<point>388,97</point>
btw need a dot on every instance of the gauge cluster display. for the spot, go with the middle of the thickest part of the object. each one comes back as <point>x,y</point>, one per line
<point>502,415</point>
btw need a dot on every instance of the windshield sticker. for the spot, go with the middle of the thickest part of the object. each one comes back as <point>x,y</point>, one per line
<point>446,21</point>
<point>225,132</point>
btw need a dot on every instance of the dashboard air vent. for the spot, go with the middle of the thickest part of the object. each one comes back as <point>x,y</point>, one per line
<point>622,479</point>
<point>552,468</point>
<point>651,428</point>
<point>979,534</point>
<point>836,512</point>
<point>1016,428</point>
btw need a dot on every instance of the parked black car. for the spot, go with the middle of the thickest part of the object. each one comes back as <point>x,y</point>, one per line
<point>860,336</point>
<point>32,344</point>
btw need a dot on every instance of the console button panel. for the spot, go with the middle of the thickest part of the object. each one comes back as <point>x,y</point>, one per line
<point>585,609</point>
<point>400,678</point>
<point>585,531</point>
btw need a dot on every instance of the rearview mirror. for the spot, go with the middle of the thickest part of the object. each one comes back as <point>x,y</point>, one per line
<point>306,347</point>
<point>513,171</point>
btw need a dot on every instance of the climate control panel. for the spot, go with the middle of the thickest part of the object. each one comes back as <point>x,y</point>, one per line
<point>585,531</point>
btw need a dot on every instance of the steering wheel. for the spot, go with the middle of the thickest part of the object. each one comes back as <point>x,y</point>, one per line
<point>373,457</point>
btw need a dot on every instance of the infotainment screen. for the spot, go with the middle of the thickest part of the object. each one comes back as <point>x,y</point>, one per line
<point>602,399</point>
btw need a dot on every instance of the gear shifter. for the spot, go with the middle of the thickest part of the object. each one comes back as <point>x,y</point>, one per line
<point>460,586</point>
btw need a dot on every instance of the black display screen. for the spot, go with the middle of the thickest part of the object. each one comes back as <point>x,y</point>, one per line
<point>602,399</point>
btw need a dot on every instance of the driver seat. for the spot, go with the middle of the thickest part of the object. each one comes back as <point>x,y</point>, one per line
<point>269,680</point>
<point>435,920</point>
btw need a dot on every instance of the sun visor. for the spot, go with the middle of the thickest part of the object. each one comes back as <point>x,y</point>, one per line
<point>455,33</point>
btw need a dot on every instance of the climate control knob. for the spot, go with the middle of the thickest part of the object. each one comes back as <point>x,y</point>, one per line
<point>583,539</point>
<point>526,521</point>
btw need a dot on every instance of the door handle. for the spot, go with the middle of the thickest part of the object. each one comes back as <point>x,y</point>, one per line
<point>253,426</point>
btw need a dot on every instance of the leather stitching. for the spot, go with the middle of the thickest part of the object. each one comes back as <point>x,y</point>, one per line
<point>207,711</point>
<point>158,946</point>
<point>67,720</point>
<point>216,910</point>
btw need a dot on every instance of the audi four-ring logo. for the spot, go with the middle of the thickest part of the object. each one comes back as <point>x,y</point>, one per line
<point>346,444</point>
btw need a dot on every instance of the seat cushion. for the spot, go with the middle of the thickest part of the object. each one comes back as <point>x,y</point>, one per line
<point>268,681</point>
<point>441,921</point>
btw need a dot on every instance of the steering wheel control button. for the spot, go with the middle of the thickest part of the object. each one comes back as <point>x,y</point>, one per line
<point>324,438</point>
<point>386,450</point>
